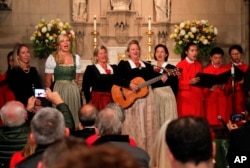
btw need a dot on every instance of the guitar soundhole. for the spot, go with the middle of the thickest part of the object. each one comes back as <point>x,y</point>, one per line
<point>123,96</point>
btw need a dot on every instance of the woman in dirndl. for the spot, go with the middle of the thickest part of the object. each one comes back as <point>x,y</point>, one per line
<point>141,118</point>
<point>99,78</point>
<point>165,92</point>
<point>65,67</point>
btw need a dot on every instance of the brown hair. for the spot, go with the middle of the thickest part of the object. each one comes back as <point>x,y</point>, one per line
<point>105,156</point>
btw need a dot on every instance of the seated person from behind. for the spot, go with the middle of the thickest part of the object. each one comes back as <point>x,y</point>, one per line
<point>239,139</point>
<point>15,124</point>
<point>120,112</point>
<point>87,117</point>
<point>190,143</point>
<point>55,152</point>
<point>109,126</point>
<point>48,126</point>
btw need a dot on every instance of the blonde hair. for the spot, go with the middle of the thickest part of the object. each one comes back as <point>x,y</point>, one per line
<point>29,148</point>
<point>96,51</point>
<point>16,53</point>
<point>58,57</point>
<point>159,156</point>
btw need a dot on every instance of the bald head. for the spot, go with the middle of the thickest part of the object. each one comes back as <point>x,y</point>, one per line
<point>13,113</point>
<point>87,115</point>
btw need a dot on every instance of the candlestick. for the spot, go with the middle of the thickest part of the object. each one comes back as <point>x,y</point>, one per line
<point>149,55</point>
<point>94,22</point>
<point>149,23</point>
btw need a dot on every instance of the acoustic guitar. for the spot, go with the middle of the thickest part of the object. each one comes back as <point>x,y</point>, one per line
<point>125,97</point>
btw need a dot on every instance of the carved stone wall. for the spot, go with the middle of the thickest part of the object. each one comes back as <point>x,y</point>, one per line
<point>117,27</point>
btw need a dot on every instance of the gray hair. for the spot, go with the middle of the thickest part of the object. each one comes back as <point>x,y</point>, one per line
<point>120,111</point>
<point>108,122</point>
<point>13,114</point>
<point>47,126</point>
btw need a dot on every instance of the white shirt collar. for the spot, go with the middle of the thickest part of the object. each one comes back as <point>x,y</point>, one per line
<point>102,71</point>
<point>236,64</point>
<point>132,64</point>
<point>189,61</point>
<point>163,66</point>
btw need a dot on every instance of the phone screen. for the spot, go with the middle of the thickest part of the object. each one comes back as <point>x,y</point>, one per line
<point>40,93</point>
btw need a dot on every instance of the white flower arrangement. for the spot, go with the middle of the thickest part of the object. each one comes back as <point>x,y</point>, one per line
<point>45,36</point>
<point>199,32</point>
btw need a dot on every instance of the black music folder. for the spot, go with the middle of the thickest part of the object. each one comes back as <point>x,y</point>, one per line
<point>208,80</point>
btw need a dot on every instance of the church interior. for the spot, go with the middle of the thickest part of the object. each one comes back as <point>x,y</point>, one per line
<point>117,22</point>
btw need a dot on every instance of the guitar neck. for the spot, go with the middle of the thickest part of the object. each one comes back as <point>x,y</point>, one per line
<point>149,82</point>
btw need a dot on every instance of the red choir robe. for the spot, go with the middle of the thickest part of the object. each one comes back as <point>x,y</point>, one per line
<point>239,96</point>
<point>5,93</point>
<point>216,100</point>
<point>190,98</point>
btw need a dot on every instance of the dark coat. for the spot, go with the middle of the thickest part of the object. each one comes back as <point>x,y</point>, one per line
<point>239,140</point>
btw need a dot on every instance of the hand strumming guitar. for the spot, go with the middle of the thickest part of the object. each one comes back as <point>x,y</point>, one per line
<point>133,87</point>
<point>164,78</point>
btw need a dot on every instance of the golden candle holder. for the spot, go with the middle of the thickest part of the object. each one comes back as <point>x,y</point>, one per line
<point>95,35</point>
<point>149,55</point>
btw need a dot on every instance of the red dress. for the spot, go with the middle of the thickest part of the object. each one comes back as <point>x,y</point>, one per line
<point>190,98</point>
<point>216,100</point>
<point>5,93</point>
<point>16,158</point>
<point>239,96</point>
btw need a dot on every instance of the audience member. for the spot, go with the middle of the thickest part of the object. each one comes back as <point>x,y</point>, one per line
<point>121,114</point>
<point>54,153</point>
<point>47,126</point>
<point>239,139</point>
<point>159,157</point>
<point>14,132</point>
<point>87,117</point>
<point>18,156</point>
<point>104,156</point>
<point>110,126</point>
<point>190,143</point>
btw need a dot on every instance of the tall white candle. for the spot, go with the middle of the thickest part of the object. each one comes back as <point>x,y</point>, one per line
<point>94,22</point>
<point>149,23</point>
